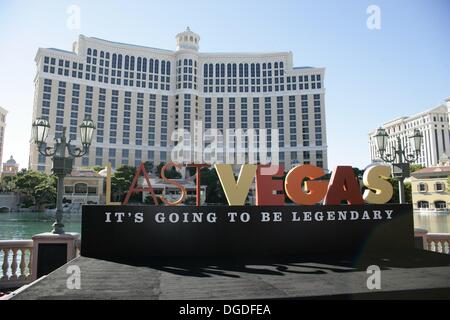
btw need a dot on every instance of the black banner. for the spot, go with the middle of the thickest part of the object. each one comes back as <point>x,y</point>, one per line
<point>143,233</point>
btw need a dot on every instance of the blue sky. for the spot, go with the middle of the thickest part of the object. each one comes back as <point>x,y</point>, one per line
<point>372,76</point>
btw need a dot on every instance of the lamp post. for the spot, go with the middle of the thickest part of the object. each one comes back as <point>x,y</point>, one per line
<point>399,159</point>
<point>62,153</point>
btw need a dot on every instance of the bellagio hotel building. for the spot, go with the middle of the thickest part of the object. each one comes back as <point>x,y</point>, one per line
<point>137,96</point>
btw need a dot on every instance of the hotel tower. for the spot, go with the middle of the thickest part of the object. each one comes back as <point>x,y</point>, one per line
<point>137,96</point>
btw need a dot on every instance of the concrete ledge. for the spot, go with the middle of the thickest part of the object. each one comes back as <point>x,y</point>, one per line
<point>418,274</point>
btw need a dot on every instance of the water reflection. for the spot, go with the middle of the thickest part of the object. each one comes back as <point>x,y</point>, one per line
<point>433,222</point>
<point>23,225</point>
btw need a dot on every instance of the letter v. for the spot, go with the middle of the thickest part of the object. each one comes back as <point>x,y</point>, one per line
<point>236,192</point>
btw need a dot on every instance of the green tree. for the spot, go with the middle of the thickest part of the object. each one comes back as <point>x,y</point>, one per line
<point>171,173</point>
<point>8,183</point>
<point>121,182</point>
<point>395,197</point>
<point>97,168</point>
<point>214,191</point>
<point>37,188</point>
<point>149,167</point>
<point>415,167</point>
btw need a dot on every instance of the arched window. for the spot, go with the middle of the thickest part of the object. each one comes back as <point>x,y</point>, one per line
<point>127,62</point>
<point>114,60</point>
<point>440,204</point>
<point>241,69</point>
<point>205,70</point>
<point>185,62</point>
<point>94,53</point>
<point>81,188</point>
<point>234,70</point>
<point>211,70</point>
<point>119,61</point>
<point>163,66</point>
<point>252,69</point>
<point>217,70</point>
<point>222,70</point>
<point>258,70</point>
<point>139,64</point>
<point>144,65</point>
<point>89,51</point>
<point>246,70</point>
<point>150,65</point>
<point>102,54</point>
<point>275,65</point>
<point>423,205</point>
<point>156,66</point>
<point>168,68</point>
<point>281,65</point>
<point>229,70</point>
<point>132,63</point>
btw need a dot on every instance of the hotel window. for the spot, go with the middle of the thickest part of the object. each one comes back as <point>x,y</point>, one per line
<point>439,187</point>
<point>423,204</point>
<point>422,187</point>
<point>440,204</point>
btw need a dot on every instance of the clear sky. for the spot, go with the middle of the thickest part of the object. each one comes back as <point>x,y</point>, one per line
<point>372,76</point>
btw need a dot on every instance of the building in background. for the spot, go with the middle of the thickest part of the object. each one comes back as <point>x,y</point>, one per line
<point>432,123</point>
<point>83,186</point>
<point>430,188</point>
<point>138,96</point>
<point>3,114</point>
<point>10,168</point>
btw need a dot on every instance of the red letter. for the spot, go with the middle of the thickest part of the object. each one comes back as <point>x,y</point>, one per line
<point>265,186</point>
<point>198,166</point>
<point>344,186</point>
<point>316,189</point>
<point>134,188</point>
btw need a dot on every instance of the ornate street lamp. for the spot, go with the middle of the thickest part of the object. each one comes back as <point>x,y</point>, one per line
<point>62,153</point>
<point>399,159</point>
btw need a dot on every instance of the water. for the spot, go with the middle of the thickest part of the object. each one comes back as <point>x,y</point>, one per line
<point>23,225</point>
<point>433,222</point>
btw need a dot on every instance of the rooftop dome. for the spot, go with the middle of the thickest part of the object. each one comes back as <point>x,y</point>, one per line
<point>187,40</point>
<point>11,161</point>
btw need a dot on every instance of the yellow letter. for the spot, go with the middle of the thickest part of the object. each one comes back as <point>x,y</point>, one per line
<point>108,187</point>
<point>236,192</point>
<point>375,178</point>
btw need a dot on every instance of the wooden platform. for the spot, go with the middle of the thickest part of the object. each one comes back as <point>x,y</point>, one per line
<point>415,275</point>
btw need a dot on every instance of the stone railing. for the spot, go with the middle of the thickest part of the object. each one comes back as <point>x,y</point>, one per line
<point>15,258</point>
<point>437,242</point>
<point>77,247</point>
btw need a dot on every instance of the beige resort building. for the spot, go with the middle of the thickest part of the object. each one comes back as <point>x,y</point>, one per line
<point>430,188</point>
<point>137,96</point>
<point>83,186</point>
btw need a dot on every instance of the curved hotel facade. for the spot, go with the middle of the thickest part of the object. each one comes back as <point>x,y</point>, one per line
<point>137,96</point>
